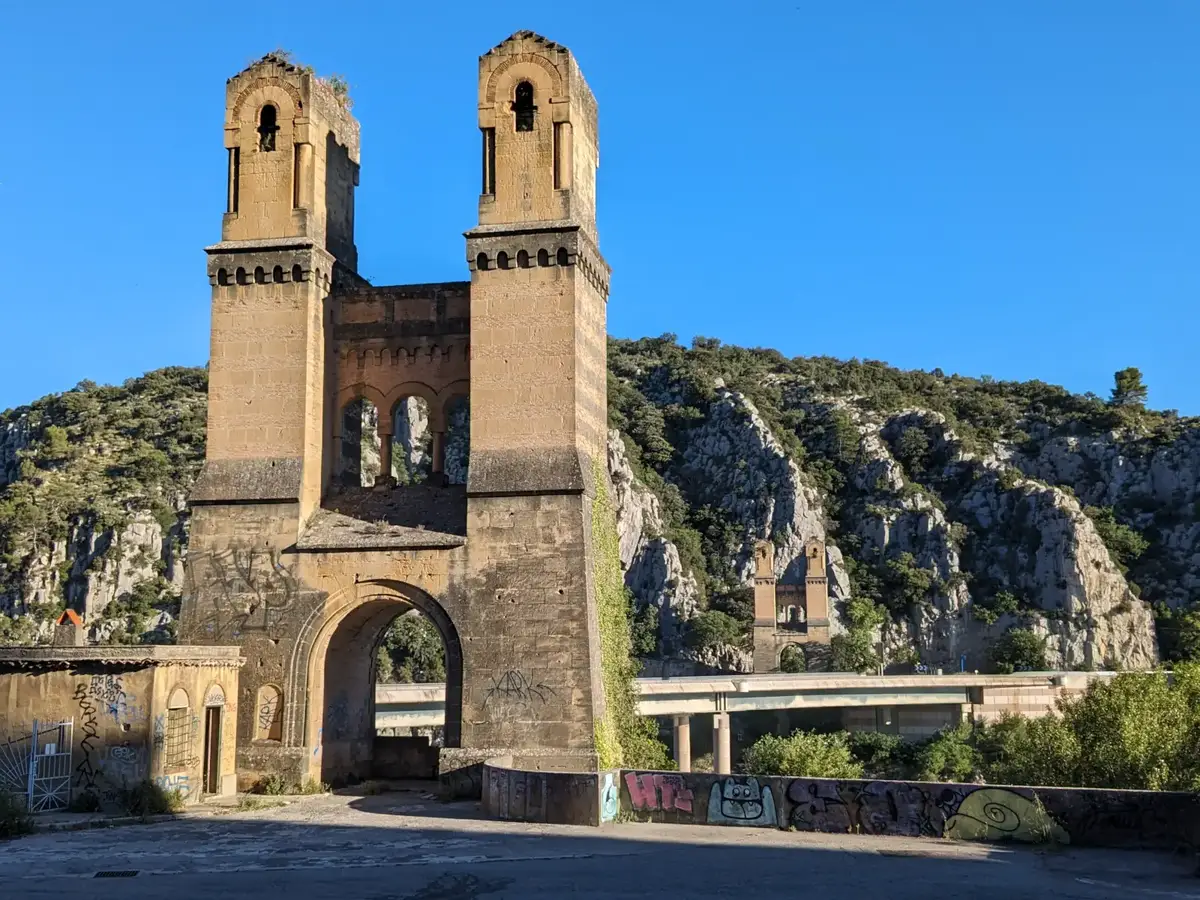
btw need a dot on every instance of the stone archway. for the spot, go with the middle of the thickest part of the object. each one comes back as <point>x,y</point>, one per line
<point>340,702</point>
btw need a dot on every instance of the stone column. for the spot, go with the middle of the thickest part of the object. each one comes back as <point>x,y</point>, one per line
<point>683,743</point>
<point>385,461</point>
<point>722,746</point>
<point>438,463</point>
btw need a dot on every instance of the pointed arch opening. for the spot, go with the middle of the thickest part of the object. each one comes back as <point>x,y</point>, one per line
<point>412,442</point>
<point>394,642</point>
<point>267,128</point>
<point>523,106</point>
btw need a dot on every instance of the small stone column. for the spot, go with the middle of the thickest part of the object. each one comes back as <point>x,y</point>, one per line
<point>385,461</point>
<point>683,743</point>
<point>722,745</point>
<point>438,463</point>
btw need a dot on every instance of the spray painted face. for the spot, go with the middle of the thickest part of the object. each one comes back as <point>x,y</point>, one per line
<point>741,801</point>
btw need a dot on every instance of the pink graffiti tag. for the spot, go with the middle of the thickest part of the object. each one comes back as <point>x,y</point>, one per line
<point>645,790</point>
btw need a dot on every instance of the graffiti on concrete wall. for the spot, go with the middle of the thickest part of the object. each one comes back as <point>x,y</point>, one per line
<point>171,783</point>
<point>741,801</point>
<point>658,792</point>
<point>610,798</point>
<point>87,771</point>
<point>912,809</point>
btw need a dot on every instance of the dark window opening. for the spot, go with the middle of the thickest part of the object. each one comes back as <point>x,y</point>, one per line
<point>543,257</point>
<point>260,276</point>
<point>235,166</point>
<point>502,259</point>
<point>267,129</point>
<point>222,277</point>
<point>481,261</point>
<point>489,160</point>
<point>562,256</point>
<point>523,106</point>
<point>522,259</point>
<point>277,274</point>
<point>297,273</point>
<point>241,276</point>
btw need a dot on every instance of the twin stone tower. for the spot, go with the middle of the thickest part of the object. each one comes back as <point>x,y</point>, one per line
<point>294,555</point>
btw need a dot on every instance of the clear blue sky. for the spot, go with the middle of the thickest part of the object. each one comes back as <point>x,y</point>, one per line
<point>1005,188</point>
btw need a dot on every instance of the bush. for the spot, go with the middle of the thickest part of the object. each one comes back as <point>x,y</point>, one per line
<point>148,799</point>
<point>1019,650</point>
<point>884,755</point>
<point>15,819</point>
<point>272,785</point>
<point>713,627</point>
<point>807,754</point>
<point>950,755</point>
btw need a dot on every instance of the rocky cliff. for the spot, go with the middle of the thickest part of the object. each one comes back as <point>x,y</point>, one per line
<point>966,521</point>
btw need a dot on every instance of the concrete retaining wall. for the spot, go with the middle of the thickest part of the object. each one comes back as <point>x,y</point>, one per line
<point>1078,816</point>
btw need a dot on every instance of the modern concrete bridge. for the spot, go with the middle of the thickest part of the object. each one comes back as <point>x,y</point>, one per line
<point>911,705</point>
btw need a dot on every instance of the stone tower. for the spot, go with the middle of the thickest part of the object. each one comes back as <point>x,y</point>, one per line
<point>539,289</point>
<point>304,571</point>
<point>288,226</point>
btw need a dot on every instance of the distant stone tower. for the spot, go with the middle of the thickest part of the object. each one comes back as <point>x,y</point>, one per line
<point>786,614</point>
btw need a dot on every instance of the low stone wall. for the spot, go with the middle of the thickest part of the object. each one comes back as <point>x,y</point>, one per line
<point>1079,816</point>
<point>556,798</point>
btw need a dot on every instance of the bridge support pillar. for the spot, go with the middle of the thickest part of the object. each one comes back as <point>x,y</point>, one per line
<point>722,756</point>
<point>683,743</point>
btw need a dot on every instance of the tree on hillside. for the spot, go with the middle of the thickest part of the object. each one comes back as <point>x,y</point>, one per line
<point>1129,389</point>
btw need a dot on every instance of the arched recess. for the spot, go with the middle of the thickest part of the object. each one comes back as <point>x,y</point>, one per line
<point>340,720</point>
<point>268,714</point>
<point>792,659</point>
<point>411,457</point>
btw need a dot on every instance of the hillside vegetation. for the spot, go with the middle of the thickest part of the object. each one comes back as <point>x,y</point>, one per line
<point>998,525</point>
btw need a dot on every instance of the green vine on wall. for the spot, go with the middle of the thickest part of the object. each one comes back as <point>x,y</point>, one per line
<point>622,737</point>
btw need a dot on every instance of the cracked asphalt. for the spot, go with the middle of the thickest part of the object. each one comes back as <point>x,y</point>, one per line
<point>399,846</point>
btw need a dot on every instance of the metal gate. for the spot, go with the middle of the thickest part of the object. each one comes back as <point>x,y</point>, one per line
<point>38,768</point>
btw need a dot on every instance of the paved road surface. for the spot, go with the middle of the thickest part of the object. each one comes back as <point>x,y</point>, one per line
<point>401,847</point>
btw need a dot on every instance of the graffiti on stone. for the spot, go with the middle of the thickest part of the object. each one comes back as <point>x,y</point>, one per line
<point>251,590</point>
<point>125,764</point>
<point>609,798</point>
<point>741,801</point>
<point>517,692</point>
<point>995,814</point>
<point>818,806</point>
<point>160,732</point>
<point>658,792</point>
<point>87,771</point>
<point>169,783</point>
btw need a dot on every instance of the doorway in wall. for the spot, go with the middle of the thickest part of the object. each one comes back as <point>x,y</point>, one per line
<point>212,749</point>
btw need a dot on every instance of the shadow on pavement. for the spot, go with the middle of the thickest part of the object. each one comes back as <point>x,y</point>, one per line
<point>403,846</point>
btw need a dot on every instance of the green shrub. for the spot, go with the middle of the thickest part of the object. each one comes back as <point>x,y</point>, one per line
<point>808,754</point>
<point>1019,650</point>
<point>15,819</point>
<point>713,627</point>
<point>148,799</point>
<point>950,755</point>
<point>272,785</point>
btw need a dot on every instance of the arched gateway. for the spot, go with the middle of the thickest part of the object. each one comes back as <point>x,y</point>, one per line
<point>304,567</point>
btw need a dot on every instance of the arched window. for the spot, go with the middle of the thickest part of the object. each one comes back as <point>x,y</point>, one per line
<point>277,274</point>
<point>267,128</point>
<point>260,275</point>
<point>543,257</point>
<point>178,739</point>
<point>502,259</point>
<point>562,256</point>
<point>222,277</point>
<point>297,273</point>
<point>241,276</point>
<point>523,106</point>
<point>269,714</point>
<point>523,259</point>
<point>481,261</point>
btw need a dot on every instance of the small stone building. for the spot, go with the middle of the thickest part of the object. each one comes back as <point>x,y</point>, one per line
<point>93,720</point>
